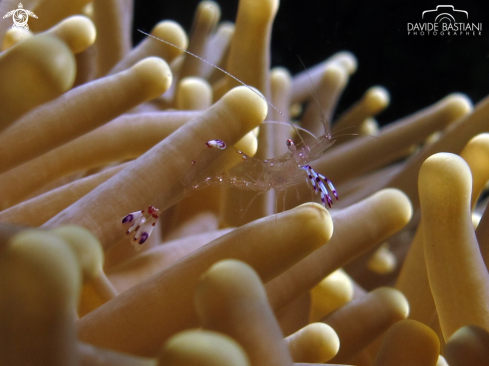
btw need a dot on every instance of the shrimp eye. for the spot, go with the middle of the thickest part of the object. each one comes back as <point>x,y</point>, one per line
<point>290,143</point>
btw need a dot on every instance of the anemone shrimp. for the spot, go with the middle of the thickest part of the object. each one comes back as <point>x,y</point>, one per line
<point>277,173</point>
<point>259,175</point>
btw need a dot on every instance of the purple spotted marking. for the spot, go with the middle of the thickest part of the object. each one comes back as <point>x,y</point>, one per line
<point>141,224</point>
<point>143,238</point>
<point>128,218</point>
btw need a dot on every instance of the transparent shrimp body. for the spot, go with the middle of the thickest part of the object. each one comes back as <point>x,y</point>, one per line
<point>277,173</point>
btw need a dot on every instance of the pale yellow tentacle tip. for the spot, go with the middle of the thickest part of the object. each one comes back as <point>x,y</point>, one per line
<point>468,346</point>
<point>448,171</point>
<point>202,348</point>
<point>377,98</point>
<point>480,141</point>
<point>193,93</point>
<point>39,286</point>
<point>157,73</point>
<point>409,342</point>
<point>335,74</point>
<point>96,289</point>
<point>14,36</point>
<point>315,343</point>
<point>77,31</point>
<point>442,163</point>
<point>369,127</point>
<point>87,248</point>
<point>313,214</point>
<point>209,10</point>
<point>459,105</point>
<point>227,26</point>
<point>280,74</point>
<point>247,102</point>
<point>398,200</point>
<point>330,294</point>
<point>347,60</point>
<point>172,32</point>
<point>87,10</point>
<point>47,55</point>
<point>383,261</point>
<point>232,276</point>
<point>394,299</point>
<point>37,249</point>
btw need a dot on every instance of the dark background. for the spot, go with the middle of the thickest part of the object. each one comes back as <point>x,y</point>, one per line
<point>416,70</point>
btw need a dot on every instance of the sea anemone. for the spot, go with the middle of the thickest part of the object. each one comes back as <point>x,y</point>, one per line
<point>92,130</point>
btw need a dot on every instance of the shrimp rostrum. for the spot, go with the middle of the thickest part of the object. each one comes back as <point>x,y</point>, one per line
<point>257,175</point>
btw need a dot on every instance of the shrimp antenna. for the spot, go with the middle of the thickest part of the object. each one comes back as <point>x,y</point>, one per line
<point>353,134</point>
<point>297,127</point>
<point>324,120</point>
<point>228,74</point>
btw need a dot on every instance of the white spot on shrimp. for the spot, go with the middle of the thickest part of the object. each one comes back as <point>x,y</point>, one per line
<point>216,143</point>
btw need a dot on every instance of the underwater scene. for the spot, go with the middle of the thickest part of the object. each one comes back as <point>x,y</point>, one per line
<point>244,183</point>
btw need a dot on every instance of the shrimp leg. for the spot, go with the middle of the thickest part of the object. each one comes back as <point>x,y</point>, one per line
<point>320,184</point>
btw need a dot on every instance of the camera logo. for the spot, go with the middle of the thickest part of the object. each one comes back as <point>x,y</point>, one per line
<point>20,17</point>
<point>445,13</point>
<point>445,20</point>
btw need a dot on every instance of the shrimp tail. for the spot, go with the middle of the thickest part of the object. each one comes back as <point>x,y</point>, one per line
<point>320,184</point>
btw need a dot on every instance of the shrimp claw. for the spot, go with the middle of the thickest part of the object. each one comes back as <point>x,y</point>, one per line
<point>320,184</point>
<point>142,223</point>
